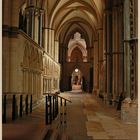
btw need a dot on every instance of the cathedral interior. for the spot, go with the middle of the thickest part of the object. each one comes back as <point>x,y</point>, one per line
<point>69,69</point>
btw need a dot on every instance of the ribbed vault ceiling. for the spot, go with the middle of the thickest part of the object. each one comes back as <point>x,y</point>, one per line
<point>69,16</point>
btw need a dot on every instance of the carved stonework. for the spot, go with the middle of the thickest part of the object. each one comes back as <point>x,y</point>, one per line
<point>129,111</point>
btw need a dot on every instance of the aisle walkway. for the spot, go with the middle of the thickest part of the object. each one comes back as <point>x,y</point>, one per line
<point>88,119</point>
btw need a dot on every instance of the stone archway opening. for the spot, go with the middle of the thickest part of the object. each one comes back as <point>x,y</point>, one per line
<point>76,79</point>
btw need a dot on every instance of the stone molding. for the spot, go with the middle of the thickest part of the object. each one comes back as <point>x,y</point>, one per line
<point>10,31</point>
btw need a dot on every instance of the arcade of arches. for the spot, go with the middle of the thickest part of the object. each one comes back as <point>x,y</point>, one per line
<point>45,41</point>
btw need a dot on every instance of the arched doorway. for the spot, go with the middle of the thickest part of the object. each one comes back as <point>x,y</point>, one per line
<point>76,79</point>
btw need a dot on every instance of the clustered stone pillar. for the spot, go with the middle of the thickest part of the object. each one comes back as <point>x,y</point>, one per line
<point>115,52</point>
<point>105,56</point>
<point>46,39</point>
<point>34,23</point>
<point>58,82</point>
<point>109,53</point>
<point>100,58</point>
<point>129,109</point>
<point>30,21</point>
<point>120,50</point>
<point>50,41</point>
<point>127,48</point>
<point>96,67</point>
<point>50,44</point>
<point>6,50</point>
<point>53,45</point>
<point>40,18</point>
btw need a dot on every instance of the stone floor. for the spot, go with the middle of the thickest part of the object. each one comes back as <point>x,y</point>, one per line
<point>89,119</point>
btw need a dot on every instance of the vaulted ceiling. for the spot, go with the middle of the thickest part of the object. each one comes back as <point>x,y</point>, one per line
<point>69,16</point>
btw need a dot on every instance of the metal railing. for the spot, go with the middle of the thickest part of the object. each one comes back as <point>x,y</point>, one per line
<point>23,105</point>
<point>56,106</point>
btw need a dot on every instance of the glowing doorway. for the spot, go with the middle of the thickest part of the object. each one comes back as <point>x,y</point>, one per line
<point>76,80</point>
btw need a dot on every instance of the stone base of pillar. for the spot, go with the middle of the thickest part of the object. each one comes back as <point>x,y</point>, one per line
<point>113,102</point>
<point>105,98</point>
<point>129,111</point>
<point>95,91</point>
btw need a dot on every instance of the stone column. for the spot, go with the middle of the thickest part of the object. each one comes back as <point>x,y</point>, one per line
<point>58,84</point>
<point>32,80</point>
<point>29,81</point>
<point>6,12</point>
<point>27,76</point>
<point>45,32</point>
<point>32,2</point>
<point>129,108</point>
<point>47,87</point>
<point>40,27</point>
<point>104,50</point>
<point>23,79</point>
<point>46,39</point>
<point>115,53</point>
<point>105,55</point>
<point>52,46</point>
<point>96,66</point>
<point>30,14</point>
<point>100,57</point>
<point>50,85</point>
<point>50,42</point>
<point>56,50</point>
<point>36,27</point>
<point>41,84</point>
<point>38,86</point>
<point>136,46</point>
<point>108,54</point>
<point>38,82</point>
<point>6,50</point>
<point>120,51</point>
<point>10,47</point>
<point>27,26</point>
<point>43,89</point>
<point>31,86</point>
<point>126,48</point>
<point>14,13</point>
<point>44,84</point>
